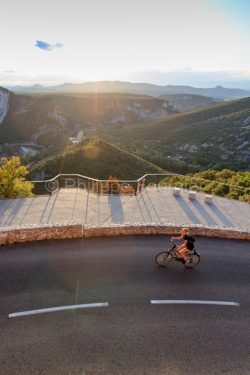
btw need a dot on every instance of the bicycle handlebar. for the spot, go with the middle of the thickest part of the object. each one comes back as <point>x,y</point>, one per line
<point>173,242</point>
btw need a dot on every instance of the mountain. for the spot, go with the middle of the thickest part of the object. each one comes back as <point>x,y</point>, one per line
<point>215,137</point>
<point>5,98</point>
<point>50,119</point>
<point>94,158</point>
<point>185,102</point>
<point>218,92</point>
<point>28,119</point>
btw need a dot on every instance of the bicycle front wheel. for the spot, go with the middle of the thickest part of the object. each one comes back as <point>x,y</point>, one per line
<point>163,258</point>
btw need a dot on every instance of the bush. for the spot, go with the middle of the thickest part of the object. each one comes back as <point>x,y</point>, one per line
<point>225,183</point>
<point>12,179</point>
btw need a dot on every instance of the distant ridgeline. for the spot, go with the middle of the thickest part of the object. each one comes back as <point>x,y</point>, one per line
<point>133,88</point>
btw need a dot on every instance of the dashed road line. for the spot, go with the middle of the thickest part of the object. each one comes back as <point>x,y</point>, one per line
<point>59,308</point>
<point>192,302</point>
<point>106,304</point>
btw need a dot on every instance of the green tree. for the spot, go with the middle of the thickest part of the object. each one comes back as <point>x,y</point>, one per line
<point>12,179</point>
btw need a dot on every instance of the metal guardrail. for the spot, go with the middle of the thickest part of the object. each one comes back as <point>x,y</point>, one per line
<point>129,187</point>
<point>122,187</point>
<point>110,186</point>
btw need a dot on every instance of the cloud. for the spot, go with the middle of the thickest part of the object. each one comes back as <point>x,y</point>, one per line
<point>8,71</point>
<point>47,46</point>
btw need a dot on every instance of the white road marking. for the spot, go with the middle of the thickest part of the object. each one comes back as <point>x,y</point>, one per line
<point>59,308</point>
<point>77,290</point>
<point>192,302</point>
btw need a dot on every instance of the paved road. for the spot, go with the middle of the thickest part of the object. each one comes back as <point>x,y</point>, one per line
<point>131,336</point>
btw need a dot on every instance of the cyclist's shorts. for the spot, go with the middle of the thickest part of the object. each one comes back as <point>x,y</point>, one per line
<point>190,246</point>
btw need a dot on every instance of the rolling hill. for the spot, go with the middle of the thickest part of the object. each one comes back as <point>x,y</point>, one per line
<point>94,158</point>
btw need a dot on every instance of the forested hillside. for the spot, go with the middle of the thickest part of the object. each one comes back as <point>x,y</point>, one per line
<point>42,119</point>
<point>94,158</point>
<point>216,137</point>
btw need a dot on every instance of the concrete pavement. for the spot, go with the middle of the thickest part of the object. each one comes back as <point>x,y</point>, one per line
<point>154,205</point>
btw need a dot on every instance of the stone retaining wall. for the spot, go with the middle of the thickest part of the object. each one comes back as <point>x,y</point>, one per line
<point>10,235</point>
<point>168,230</point>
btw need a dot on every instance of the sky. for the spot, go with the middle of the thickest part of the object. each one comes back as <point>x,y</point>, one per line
<point>156,41</point>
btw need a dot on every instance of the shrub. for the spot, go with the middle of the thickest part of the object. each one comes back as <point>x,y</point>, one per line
<point>12,179</point>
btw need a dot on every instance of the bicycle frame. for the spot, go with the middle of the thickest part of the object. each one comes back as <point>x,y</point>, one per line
<point>174,251</point>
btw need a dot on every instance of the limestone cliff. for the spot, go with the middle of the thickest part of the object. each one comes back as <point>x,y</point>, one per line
<point>4,103</point>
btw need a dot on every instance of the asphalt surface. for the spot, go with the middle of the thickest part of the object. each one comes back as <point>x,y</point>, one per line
<point>131,336</point>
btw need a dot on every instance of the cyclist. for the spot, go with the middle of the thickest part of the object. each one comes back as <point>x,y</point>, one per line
<point>188,244</point>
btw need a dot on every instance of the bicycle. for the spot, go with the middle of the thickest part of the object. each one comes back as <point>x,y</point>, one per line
<point>165,257</point>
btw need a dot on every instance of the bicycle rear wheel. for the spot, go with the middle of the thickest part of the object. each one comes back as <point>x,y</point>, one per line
<point>163,258</point>
<point>194,260</point>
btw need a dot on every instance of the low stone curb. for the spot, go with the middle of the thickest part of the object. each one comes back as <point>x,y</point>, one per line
<point>28,233</point>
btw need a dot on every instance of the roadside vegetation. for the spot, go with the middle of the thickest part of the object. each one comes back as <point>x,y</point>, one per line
<point>225,183</point>
<point>12,179</point>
